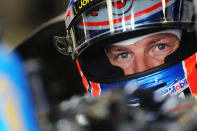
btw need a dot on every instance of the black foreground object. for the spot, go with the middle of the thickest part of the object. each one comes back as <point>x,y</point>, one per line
<point>57,74</point>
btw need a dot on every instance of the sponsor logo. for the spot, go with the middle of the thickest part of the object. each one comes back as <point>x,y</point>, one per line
<point>175,88</point>
<point>83,3</point>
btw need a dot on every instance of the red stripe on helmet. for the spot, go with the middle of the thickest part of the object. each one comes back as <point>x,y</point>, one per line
<point>191,71</point>
<point>150,9</point>
<point>68,14</point>
<point>95,89</point>
<point>78,66</point>
<point>104,23</point>
<point>84,80</point>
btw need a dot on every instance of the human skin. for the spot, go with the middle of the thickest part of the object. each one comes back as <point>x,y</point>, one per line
<point>144,54</point>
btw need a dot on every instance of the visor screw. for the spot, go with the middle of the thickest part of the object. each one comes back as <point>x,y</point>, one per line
<point>70,49</point>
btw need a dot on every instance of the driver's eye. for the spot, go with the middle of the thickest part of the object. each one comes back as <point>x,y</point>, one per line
<point>123,55</point>
<point>161,46</point>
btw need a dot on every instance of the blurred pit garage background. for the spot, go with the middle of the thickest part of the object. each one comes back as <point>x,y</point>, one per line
<point>20,17</point>
<point>28,27</point>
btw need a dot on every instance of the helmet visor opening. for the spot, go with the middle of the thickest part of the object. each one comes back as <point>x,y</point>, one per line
<point>115,62</point>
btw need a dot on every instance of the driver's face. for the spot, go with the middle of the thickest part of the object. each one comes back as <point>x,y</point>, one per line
<point>144,54</point>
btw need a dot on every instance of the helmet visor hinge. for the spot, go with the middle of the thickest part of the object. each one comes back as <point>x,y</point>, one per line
<point>63,45</point>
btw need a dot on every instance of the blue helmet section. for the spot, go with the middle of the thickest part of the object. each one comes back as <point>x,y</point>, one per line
<point>17,111</point>
<point>166,82</point>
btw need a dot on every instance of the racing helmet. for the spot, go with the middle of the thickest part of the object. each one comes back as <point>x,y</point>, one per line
<point>95,25</point>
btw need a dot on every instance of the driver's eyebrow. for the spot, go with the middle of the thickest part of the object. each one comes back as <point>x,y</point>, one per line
<point>163,36</point>
<point>152,41</point>
<point>116,48</point>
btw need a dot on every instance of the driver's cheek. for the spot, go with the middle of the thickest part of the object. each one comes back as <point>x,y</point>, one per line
<point>128,68</point>
<point>153,62</point>
<point>140,65</point>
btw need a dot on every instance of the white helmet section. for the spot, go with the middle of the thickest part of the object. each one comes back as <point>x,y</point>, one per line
<point>123,17</point>
<point>176,32</point>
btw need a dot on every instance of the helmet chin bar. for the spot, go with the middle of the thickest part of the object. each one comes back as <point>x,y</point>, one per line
<point>63,45</point>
